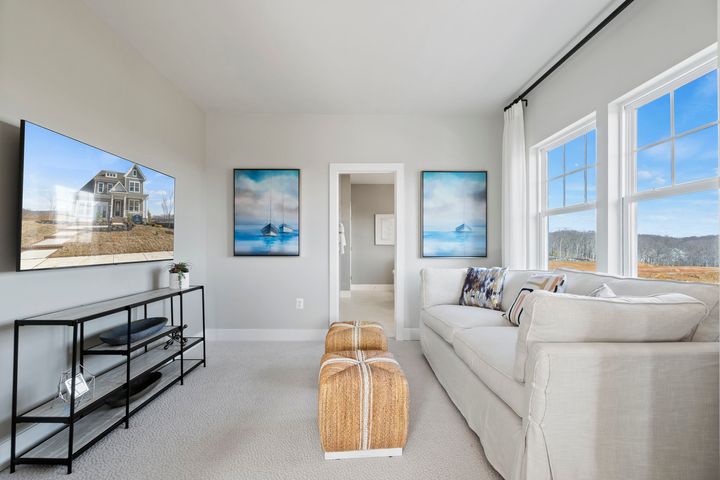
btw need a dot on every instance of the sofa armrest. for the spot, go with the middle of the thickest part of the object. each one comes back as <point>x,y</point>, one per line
<point>560,317</point>
<point>441,286</point>
<point>622,410</point>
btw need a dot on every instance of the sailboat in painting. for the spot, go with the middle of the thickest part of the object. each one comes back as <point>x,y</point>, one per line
<point>284,227</point>
<point>463,227</point>
<point>270,230</point>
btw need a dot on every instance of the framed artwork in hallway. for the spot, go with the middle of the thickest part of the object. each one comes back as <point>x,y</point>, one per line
<point>454,213</point>
<point>266,212</point>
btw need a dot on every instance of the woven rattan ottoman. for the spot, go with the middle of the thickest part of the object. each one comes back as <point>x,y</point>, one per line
<point>362,405</point>
<point>346,336</point>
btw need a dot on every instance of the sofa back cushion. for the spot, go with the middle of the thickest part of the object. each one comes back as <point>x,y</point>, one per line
<point>583,283</point>
<point>441,286</point>
<point>558,317</point>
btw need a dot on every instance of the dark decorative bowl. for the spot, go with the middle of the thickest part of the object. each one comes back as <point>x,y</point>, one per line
<point>139,386</point>
<point>138,330</point>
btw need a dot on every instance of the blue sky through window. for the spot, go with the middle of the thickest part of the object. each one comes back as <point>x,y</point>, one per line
<point>691,215</point>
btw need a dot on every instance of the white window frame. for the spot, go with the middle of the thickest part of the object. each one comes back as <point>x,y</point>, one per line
<point>130,186</point>
<point>100,187</point>
<point>134,201</point>
<point>537,176</point>
<point>110,175</point>
<point>687,71</point>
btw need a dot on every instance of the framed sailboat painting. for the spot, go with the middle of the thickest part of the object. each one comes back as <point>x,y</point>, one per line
<point>454,214</point>
<point>266,212</point>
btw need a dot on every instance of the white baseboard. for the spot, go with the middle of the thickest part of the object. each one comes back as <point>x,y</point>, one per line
<point>411,334</point>
<point>282,335</point>
<point>345,294</point>
<point>265,334</point>
<point>376,452</point>
<point>379,287</point>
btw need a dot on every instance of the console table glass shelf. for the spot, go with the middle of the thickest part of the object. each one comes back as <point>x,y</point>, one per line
<point>81,424</point>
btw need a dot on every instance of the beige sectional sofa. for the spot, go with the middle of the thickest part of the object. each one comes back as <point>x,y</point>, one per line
<point>583,389</point>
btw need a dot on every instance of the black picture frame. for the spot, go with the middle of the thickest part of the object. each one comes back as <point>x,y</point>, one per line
<point>299,215</point>
<point>422,213</point>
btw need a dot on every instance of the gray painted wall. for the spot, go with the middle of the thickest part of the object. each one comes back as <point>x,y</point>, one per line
<point>253,292</point>
<point>63,68</point>
<point>648,38</point>
<point>371,264</point>
<point>346,220</point>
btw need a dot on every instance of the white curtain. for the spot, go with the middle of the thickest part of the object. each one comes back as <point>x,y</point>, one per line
<point>514,201</point>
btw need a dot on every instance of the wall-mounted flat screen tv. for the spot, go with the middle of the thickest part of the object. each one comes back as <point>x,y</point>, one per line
<point>82,206</point>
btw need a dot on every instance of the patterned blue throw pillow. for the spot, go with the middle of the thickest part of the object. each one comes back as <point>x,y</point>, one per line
<point>483,287</point>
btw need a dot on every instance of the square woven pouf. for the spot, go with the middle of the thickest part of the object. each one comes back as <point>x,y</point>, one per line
<point>345,336</point>
<point>362,405</point>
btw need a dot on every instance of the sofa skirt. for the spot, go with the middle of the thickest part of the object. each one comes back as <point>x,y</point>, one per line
<point>499,428</point>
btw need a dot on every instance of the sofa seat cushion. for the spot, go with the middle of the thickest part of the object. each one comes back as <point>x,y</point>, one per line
<point>446,320</point>
<point>490,354</point>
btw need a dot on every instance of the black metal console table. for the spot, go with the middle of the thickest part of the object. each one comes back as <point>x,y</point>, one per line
<point>88,422</point>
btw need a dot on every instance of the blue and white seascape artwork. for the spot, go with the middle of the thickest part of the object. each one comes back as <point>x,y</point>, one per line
<point>267,212</point>
<point>454,214</point>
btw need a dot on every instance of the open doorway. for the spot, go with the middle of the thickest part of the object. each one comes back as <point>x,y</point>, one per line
<point>367,248</point>
<point>366,245</point>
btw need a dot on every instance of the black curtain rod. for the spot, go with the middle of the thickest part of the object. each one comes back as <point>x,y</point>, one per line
<point>572,51</point>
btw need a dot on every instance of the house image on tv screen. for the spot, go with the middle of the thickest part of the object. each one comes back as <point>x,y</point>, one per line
<point>113,195</point>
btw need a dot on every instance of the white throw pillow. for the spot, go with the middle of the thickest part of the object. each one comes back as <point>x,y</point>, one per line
<point>548,317</point>
<point>603,291</point>
<point>551,282</point>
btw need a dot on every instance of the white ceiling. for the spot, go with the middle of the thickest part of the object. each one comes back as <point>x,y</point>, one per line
<point>349,56</point>
<point>373,178</point>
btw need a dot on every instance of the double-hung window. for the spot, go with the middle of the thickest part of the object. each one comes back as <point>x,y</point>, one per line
<point>134,205</point>
<point>568,169</point>
<point>133,186</point>
<point>670,204</point>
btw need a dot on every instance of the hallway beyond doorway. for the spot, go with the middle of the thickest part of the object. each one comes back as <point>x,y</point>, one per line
<point>370,306</point>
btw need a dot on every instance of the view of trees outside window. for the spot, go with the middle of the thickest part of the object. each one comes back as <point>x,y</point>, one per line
<point>571,240</point>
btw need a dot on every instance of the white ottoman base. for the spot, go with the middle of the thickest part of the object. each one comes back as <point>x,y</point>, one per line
<point>378,452</point>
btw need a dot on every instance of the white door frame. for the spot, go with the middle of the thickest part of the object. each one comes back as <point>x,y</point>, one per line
<point>398,169</point>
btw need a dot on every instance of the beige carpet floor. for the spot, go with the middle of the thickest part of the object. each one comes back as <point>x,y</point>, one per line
<point>251,414</point>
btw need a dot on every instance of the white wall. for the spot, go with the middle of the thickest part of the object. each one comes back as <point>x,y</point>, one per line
<point>371,264</point>
<point>259,293</point>
<point>64,69</point>
<point>646,39</point>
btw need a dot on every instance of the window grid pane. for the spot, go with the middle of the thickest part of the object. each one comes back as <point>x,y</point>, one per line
<point>568,180</point>
<point>664,161</point>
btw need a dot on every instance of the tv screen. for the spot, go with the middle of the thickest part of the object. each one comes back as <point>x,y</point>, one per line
<point>82,206</point>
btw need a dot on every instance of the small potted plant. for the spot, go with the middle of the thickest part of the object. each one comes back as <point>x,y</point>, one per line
<point>179,275</point>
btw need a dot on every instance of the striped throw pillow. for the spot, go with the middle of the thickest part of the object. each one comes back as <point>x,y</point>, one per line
<point>551,282</point>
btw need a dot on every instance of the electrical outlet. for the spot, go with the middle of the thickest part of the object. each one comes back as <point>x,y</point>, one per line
<point>299,303</point>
